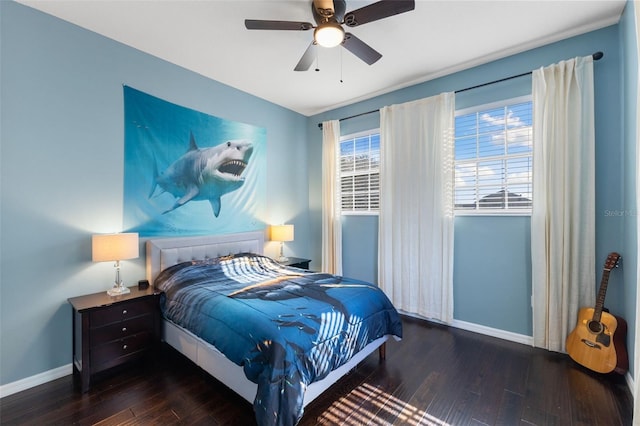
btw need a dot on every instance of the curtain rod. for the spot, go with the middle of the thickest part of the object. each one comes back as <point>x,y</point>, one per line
<point>596,57</point>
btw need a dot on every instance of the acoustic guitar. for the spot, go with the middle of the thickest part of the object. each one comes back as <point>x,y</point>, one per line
<point>598,340</point>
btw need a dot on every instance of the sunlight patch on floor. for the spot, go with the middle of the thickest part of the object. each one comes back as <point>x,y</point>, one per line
<point>366,402</point>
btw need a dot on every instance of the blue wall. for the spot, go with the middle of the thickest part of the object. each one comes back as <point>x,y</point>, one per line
<point>492,266</point>
<point>62,171</point>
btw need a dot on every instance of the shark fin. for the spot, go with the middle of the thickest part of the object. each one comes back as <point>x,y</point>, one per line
<point>192,142</point>
<point>190,195</point>
<point>216,204</point>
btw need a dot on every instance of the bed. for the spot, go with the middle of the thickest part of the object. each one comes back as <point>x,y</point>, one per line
<point>284,353</point>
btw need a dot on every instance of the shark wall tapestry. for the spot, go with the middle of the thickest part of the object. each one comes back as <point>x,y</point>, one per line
<point>189,173</point>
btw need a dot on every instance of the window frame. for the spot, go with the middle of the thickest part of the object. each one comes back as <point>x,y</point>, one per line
<point>489,211</point>
<point>356,135</point>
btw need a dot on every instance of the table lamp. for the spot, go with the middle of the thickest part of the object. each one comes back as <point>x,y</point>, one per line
<point>114,248</point>
<point>282,233</point>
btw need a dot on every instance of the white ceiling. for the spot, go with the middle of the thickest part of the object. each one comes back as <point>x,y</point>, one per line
<point>437,38</point>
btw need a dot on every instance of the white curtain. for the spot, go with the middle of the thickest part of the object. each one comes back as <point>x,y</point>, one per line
<point>415,254</point>
<point>331,209</point>
<point>563,217</point>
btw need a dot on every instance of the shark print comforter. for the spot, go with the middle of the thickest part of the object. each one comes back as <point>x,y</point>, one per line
<point>286,327</point>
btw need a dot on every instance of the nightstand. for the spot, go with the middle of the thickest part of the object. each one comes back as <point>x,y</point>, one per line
<point>110,331</point>
<point>296,262</point>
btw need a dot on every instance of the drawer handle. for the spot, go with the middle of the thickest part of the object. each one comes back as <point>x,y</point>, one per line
<point>124,346</point>
<point>124,329</point>
<point>124,312</point>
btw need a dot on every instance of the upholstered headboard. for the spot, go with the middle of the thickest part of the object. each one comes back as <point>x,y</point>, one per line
<point>165,252</point>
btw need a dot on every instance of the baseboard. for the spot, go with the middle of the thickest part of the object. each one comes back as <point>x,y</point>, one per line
<point>493,332</point>
<point>480,329</point>
<point>630,383</point>
<point>36,380</point>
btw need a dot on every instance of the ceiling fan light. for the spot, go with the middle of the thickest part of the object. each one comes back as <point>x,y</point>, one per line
<point>329,34</point>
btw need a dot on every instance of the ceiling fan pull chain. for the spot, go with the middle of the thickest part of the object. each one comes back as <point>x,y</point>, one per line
<point>340,65</point>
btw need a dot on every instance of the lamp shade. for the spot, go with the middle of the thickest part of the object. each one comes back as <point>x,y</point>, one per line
<point>282,232</point>
<point>112,247</point>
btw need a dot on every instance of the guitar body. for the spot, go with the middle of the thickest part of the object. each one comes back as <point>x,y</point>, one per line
<point>620,342</point>
<point>598,341</point>
<point>593,344</point>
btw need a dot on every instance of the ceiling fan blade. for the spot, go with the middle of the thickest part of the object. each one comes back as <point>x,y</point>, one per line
<point>378,10</point>
<point>307,58</point>
<point>256,24</point>
<point>361,49</point>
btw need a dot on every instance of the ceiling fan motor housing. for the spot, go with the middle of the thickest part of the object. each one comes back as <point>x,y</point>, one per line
<point>323,14</point>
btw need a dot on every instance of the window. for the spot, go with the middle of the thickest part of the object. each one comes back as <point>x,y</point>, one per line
<point>493,158</point>
<point>360,173</point>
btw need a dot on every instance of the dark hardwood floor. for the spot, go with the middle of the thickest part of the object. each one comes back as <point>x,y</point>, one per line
<point>435,376</point>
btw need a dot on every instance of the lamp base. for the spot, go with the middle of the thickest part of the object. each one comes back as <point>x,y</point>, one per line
<point>118,290</point>
<point>282,257</point>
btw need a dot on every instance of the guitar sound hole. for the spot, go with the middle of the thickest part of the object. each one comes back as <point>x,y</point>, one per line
<point>595,327</point>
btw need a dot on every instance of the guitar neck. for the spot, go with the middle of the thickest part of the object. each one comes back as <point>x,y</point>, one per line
<point>602,293</point>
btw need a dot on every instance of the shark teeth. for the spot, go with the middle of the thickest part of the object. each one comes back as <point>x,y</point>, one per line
<point>234,167</point>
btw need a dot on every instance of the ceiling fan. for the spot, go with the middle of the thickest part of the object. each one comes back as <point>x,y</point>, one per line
<point>330,16</point>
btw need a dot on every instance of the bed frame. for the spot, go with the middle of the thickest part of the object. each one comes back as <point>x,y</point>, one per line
<point>165,252</point>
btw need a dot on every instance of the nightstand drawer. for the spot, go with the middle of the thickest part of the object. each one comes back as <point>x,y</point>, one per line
<point>120,312</point>
<point>104,356</point>
<point>121,330</point>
